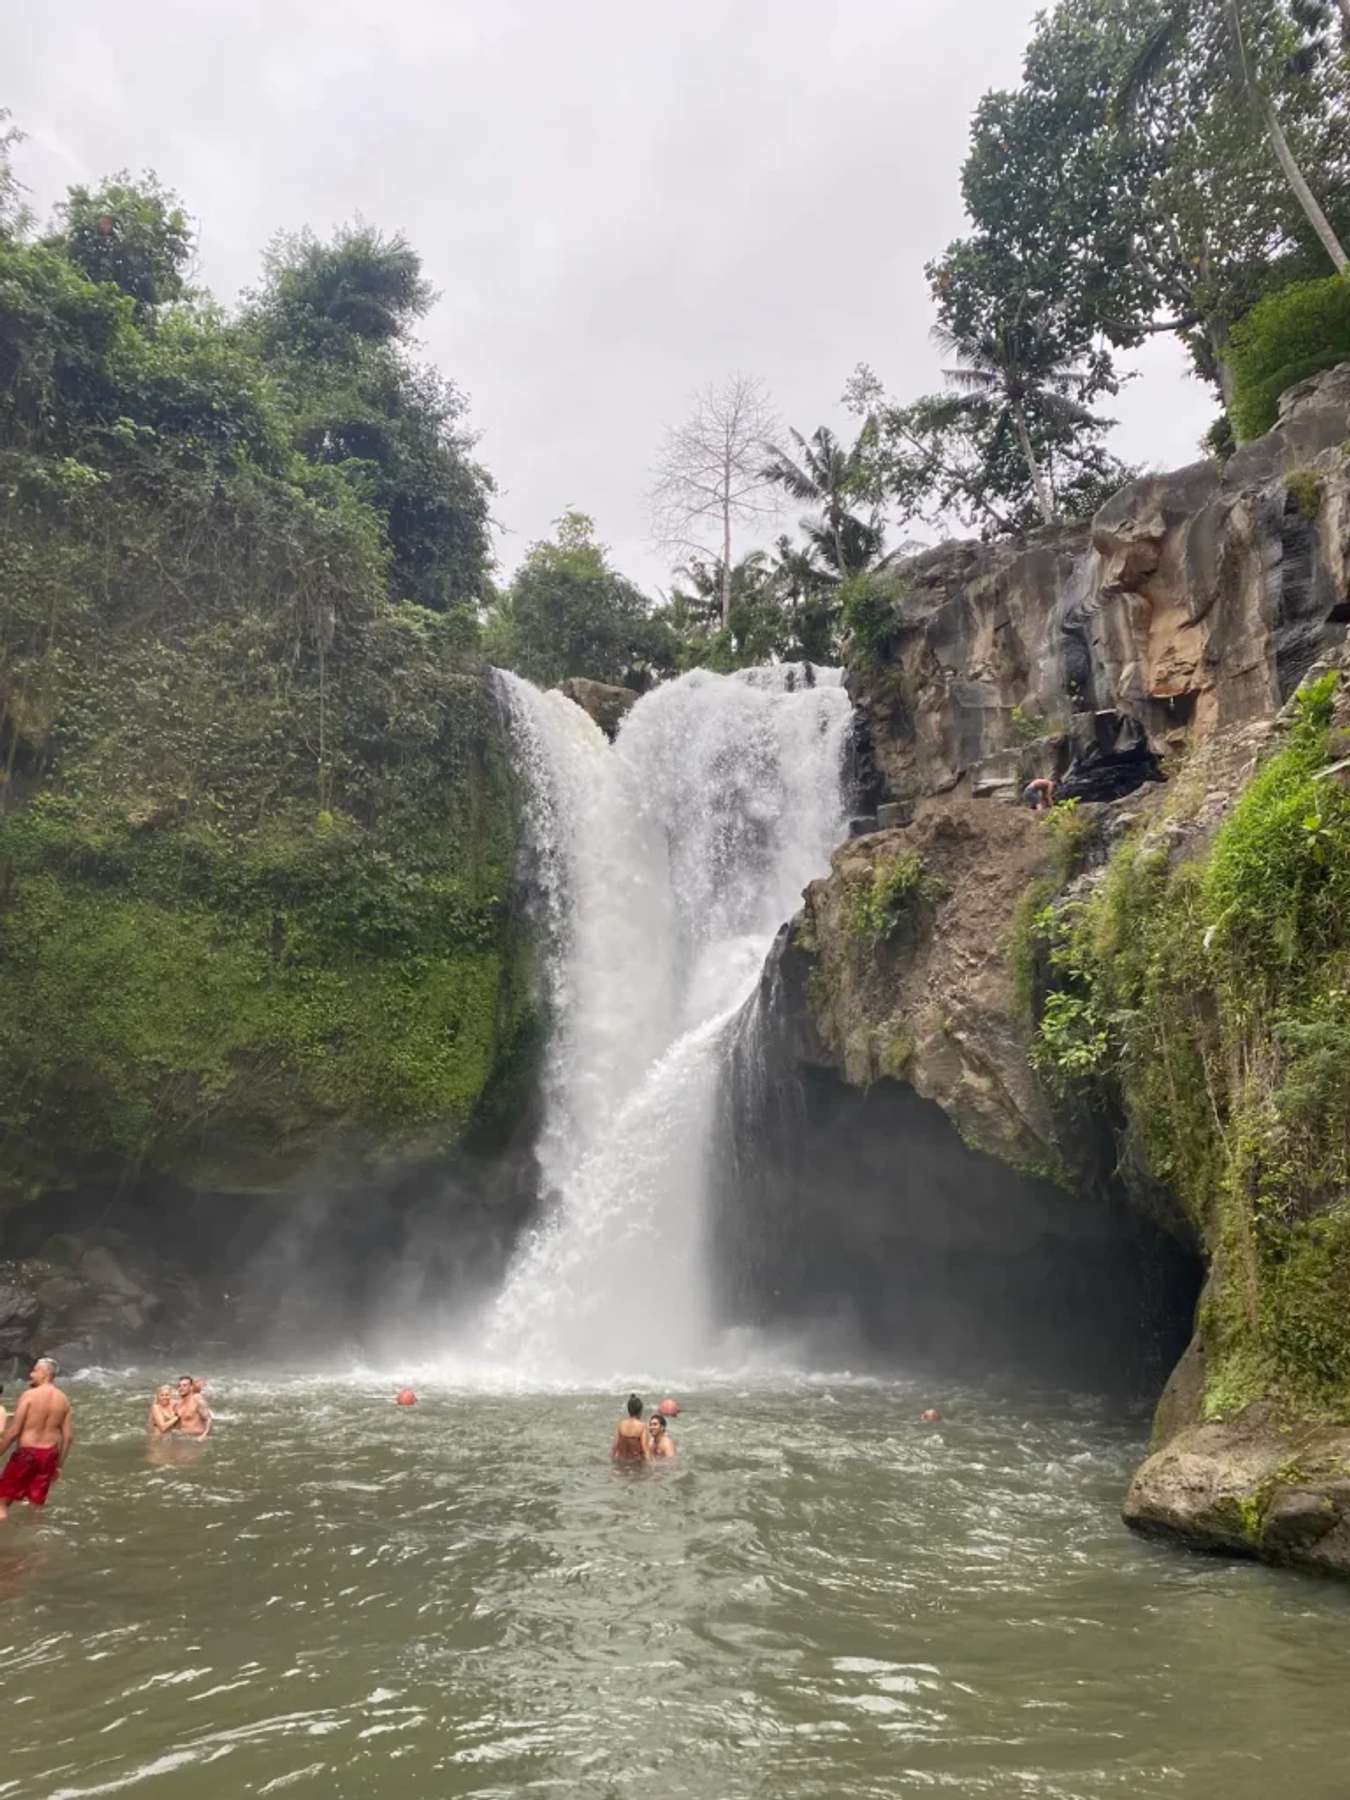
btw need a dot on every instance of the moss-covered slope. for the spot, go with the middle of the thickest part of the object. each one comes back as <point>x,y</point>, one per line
<point>209,975</point>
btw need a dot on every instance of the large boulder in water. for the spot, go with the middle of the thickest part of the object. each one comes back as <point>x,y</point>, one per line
<point>607,705</point>
<point>1252,1486</point>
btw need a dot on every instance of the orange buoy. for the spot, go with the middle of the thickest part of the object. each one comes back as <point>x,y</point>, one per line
<point>932,1416</point>
<point>669,1409</point>
<point>405,1397</point>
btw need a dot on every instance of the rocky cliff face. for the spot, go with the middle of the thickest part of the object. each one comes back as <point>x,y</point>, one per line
<point>1023,972</point>
<point>1193,602</point>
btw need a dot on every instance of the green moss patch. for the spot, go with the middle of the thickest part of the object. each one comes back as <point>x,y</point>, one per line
<point>1214,998</point>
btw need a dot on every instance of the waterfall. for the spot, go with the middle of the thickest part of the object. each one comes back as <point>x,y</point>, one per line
<point>662,865</point>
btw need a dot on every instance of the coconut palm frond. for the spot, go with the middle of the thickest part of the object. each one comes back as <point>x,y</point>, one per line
<point>972,380</point>
<point>1061,410</point>
<point>781,470</point>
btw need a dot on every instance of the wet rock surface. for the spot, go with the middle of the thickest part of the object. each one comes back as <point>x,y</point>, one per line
<point>1251,1486</point>
<point>607,705</point>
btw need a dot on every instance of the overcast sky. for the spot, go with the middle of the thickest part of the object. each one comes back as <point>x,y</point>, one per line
<point>619,200</point>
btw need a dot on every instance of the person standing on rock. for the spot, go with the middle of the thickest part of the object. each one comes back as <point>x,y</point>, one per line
<point>1039,795</point>
<point>44,1429</point>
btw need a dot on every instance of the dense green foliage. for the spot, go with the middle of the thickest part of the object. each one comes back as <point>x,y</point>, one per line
<point>1215,997</point>
<point>568,612</point>
<point>331,323</point>
<point>133,234</point>
<point>256,815</point>
<point>1288,336</point>
<point>1129,185</point>
<point>893,898</point>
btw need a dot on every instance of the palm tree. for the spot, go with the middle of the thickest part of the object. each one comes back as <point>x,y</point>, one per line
<point>827,475</point>
<point>1185,16</point>
<point>1009,377</point>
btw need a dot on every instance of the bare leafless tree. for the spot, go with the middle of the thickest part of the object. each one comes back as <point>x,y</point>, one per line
<point>709,473</point>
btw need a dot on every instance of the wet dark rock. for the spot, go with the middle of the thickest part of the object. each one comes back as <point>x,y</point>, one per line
<point>1116,759</point>
<point>606,704</point>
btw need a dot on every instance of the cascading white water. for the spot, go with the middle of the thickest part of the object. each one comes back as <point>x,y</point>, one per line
<point>665,864</point>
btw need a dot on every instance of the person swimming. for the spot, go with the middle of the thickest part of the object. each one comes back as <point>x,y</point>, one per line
<point>163,1413</point>
<point>663,1444</point>
<point>194,1418</point>
<point>632,1441</point>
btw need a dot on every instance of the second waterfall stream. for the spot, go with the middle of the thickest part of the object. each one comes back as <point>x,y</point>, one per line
<point>662,866</point>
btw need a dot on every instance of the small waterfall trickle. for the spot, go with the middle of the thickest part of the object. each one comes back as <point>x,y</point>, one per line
<point>663,866</point>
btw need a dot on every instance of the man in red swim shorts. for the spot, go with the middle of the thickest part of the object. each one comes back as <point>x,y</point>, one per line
<point>44,1432</point>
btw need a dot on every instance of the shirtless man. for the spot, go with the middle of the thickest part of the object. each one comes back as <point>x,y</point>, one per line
<point>663,1444</point>
<point>632,1442</point>
<point>194,1420</point>
<point>44,1429</point>
<point>163,1414</point>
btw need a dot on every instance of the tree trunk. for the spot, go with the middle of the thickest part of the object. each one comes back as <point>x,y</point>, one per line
<point>1280,144</point>
<point>1040,486</point>
<point>837,528</point>
<point>1302,192</point>
<point>726,566</point>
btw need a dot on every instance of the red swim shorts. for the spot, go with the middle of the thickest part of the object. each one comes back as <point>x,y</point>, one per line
<point>29,1474</point>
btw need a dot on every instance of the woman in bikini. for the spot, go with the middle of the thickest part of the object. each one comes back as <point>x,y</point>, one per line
<point>632,1442</point>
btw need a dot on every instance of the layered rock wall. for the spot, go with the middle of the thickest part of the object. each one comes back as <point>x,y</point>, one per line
<point>1179,624</point>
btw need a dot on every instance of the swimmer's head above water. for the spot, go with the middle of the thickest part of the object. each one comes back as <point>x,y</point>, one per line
<point>656,1424</point>
<point>634,1407</point>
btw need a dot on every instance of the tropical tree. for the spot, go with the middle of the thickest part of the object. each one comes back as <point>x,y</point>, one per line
<point>1171,218</point>
<point>708,477</point>
<point>946,464</point>
<point>1200,19</point>
<point>134,233</point>
<point>833,477</point>
<point>807,595</point>
<point>755,628</point>
<point>567,611</point>
<point>1009,375</point>
<point>334,321</point>
<point>14,214</point>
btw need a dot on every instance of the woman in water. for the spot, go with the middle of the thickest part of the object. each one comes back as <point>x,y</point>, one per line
<point>631,1441</point>
<point>663,1444</point>
<point>163,1413</point>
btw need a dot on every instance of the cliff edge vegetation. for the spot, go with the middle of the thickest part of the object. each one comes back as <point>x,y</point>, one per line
<point>257,815</point>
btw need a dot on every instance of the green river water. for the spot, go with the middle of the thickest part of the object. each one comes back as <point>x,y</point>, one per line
<point>823,1597</point>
